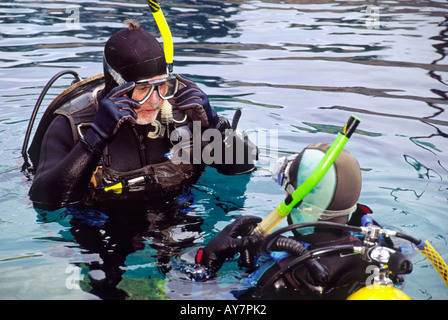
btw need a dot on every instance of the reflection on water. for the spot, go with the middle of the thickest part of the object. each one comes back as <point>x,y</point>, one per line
<point>297,68</point>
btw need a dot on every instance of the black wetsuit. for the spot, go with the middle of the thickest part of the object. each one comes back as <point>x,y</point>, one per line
<point>65,168</point>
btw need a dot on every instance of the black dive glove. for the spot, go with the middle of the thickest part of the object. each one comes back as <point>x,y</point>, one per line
<point>194,102</point>
<point>238,152</point>
<point>114,109</point>
<point>234,238</point>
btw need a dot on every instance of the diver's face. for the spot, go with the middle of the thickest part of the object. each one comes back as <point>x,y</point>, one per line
<point>151,104</point>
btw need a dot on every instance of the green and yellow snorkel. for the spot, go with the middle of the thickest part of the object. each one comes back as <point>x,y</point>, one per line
<point>292,200</point>
<point>164,29</point>
<point>282,210</point>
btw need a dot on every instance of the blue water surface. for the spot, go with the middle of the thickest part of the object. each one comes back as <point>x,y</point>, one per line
<point>296,69</point>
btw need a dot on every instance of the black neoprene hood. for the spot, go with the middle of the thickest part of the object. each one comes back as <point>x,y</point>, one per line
<point>135,55</point>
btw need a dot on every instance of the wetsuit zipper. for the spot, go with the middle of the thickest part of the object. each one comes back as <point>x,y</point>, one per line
<point>141,144</point>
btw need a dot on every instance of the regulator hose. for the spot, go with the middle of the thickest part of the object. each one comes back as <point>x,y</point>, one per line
<point>36,110</point>
<point>290,245</point>
<point>270,239</point>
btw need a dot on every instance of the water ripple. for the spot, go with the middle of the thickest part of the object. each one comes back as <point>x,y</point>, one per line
<point>296,68</point>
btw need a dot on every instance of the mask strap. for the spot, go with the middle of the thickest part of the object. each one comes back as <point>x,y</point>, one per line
<point>115,75</point>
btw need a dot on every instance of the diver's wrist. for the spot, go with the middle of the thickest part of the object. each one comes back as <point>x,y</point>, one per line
<point>93,142</point>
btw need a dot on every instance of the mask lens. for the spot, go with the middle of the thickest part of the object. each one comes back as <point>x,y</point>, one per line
<point>168,89</point>
<point>142,92</point>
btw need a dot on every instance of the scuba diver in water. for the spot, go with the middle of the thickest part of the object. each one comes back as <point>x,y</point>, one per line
<point>131,140</point>
<point>277,270</point>
<point>130,134</point>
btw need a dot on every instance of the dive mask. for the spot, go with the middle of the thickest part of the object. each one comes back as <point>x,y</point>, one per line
<point>166,88</point>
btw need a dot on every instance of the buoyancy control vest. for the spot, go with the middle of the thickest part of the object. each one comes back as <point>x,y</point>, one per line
<point>342,274</point>
<point>282,274</point>
<point>77,100</point>
<point>79,104</point>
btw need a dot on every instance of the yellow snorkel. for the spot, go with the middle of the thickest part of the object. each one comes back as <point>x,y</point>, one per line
<point>168,49</point>
<point>165,32</point>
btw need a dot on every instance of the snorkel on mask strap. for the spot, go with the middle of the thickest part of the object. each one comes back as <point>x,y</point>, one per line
<point>281,174</point>
<point>309,212</point>
<point>167,43</point>
<point>328,200</point>
<point>165,32</point>
<point>168,50</point>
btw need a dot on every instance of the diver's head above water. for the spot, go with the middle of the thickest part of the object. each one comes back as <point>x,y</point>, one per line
<point>134,55</point>
<point>334,198</point>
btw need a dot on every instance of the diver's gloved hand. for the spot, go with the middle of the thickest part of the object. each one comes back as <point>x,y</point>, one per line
<point>114,109</point>
<point>194,102</point>
<point>234,238</point>
<point>238,152</point>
